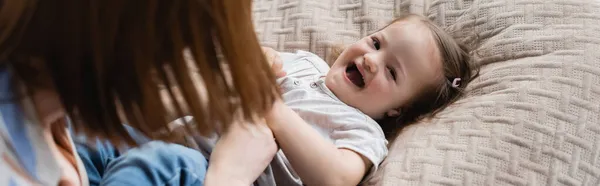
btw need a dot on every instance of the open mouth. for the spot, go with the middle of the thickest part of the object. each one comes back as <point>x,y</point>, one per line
<point>354,75</point>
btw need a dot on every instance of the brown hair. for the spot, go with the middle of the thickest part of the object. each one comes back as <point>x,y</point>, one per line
<point>108,56</point>
<point>456,63</point>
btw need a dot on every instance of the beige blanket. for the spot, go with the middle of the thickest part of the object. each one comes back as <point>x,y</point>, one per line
<point>531,118</point>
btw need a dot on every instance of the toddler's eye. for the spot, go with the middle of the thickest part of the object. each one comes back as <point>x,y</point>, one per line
<point>375,43</point>
<point>392,72</point>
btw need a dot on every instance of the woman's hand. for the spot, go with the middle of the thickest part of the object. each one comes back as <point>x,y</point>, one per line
<point>241,155</point>
<point>274,61</point>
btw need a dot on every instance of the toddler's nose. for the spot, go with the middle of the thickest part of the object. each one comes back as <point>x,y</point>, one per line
<point>370,64</point>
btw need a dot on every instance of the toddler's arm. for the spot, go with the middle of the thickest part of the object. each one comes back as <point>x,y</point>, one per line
<point>316,160</point>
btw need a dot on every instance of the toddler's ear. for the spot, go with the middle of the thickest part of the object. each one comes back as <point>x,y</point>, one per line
<point>393,112</point>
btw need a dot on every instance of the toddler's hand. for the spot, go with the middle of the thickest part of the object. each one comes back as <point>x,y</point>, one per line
<point>274,61</point>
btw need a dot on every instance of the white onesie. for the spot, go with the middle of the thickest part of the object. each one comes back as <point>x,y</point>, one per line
<point>304,91</point>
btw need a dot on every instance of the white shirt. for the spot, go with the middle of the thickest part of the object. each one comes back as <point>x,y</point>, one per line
<point>305,92</point>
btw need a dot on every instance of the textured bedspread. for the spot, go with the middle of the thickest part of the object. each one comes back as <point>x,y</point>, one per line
<point>531,118</point>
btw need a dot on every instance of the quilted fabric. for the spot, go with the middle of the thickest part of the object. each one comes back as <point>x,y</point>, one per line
<point>318,25</point>
<point>532,118</point>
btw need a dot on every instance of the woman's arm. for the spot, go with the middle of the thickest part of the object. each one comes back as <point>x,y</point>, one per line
<point>316,160</point>
<point>241,155</point>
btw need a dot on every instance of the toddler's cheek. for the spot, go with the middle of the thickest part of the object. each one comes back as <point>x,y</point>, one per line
<point>380,87</point>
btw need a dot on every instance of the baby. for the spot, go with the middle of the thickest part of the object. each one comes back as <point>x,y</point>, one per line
<point>326,123</point>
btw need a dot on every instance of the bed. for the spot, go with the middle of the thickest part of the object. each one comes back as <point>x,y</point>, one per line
<point>530,118</point>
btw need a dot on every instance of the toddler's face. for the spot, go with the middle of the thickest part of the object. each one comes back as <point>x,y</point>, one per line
<point>387,69</point>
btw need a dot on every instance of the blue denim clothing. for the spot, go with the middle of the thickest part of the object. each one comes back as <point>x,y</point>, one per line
<point>25,154</point>
<point>152,163</point>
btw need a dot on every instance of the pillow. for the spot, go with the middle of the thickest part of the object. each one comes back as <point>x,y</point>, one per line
<point>531,118</point>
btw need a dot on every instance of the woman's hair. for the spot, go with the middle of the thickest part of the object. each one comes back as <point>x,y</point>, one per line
<point>107,60</point>
<point>456,63</point>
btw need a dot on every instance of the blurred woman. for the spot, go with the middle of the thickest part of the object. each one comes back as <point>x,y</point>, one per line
<point>102,63</point>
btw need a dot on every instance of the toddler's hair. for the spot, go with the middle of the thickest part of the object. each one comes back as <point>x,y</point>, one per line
<point>456,63</point>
